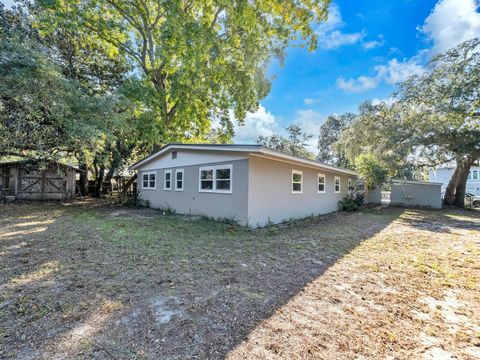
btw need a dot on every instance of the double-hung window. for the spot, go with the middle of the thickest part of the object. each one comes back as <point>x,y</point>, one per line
<point>148,180</point>
<point>337,184</point>
<point>297,181</point>
<point>167,183</point>
<point>179,180</point>
<point>215,179</point>
<point>321,183</point>
<point>475,174</point>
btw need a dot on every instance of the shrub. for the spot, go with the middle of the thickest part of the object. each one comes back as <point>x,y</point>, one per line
<point>352,202</point>
<point>135,200</point>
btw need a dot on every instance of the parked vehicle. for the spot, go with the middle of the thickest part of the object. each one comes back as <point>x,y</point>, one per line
<point>472,200</point>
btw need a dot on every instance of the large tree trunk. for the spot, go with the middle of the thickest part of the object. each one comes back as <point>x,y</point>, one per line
<point>126,185</point>
<point>449,197</point>
<point>99,182</point>
<point>83,180</point>
<point>462,182</point>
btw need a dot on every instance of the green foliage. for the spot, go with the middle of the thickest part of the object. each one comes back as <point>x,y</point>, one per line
<point>440,105</point>
<point>371,170</point>
<point>295,144</point>
<point>352,202</point>
<point>330,132</point>
<point>196,59</point>
<point>41,112</point>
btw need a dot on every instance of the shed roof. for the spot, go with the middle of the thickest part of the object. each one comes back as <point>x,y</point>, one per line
<point>257,150</point>
<point>35,161</point>
<point>415,182</point>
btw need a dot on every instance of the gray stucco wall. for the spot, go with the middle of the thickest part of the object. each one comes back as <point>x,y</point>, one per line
<point>270,192</point>
<point>191,201</point>
<point>404,194</point>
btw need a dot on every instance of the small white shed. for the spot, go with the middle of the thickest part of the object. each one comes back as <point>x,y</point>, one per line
<point>416,193</point>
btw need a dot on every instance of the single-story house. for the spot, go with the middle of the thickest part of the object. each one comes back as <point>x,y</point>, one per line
<point>249,184</point>
<point>37,180</point>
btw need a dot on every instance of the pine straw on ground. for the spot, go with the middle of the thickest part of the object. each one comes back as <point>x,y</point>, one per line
<point>93,281</point>
<point>411,291</point>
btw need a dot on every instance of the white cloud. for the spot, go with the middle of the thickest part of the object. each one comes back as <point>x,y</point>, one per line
<point>393,72</point>
<point>259,123</point>
<point>452,22</point>
<point>367,45</point>
<point>387,101</point>
<point>361,83</point>
<point>329,34</point>
<point>310,121</point>
<point>311,101</point>
<point>264,123</point>
<point>396,71</point>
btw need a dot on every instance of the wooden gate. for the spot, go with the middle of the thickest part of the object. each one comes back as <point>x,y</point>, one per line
<point>46,184</point>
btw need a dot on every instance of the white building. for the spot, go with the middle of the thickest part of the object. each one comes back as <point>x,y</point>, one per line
<point>443,175</point>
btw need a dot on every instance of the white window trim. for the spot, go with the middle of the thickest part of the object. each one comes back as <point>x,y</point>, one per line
<point>149,173</point>
<point>183,179</point>
<point>324,183</point>
<point>214,178</point>
<point>339,185</point>
<point>298,172</point>
<point>165,180</point>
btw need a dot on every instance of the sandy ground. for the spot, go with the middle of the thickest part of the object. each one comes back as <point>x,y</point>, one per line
<point>103,282</point>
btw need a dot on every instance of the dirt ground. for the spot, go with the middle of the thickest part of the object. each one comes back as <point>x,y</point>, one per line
<point>88,280</point>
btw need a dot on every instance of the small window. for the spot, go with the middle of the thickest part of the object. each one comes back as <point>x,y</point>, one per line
<point>321,183</point>
<point>297,181</point>
<point>216,179</point>
<point>469,177</point>
<point>149,180</point>
<point>475,175</point>
<point>350,185</point>
<point>174,155</point>
<point>179,180</point>
<point>337,184</point>
<point>222,179</point>
<point>168,180</point>
<point>206,179</point>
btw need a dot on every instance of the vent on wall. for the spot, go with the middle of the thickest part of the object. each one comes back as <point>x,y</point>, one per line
<point>174,155</point>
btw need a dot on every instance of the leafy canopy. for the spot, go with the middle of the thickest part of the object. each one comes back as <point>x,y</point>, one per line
<point>371,170</point>
<point>196,59</point>
<point>294,144</point>
<point>41,112</point>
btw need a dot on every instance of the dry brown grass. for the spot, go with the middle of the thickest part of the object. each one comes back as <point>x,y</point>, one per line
<point>410,291</point>
<point>94,281</point>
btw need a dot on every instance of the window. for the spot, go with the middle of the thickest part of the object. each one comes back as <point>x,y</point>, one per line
<point>469,177</point>
<point>148,180</point>
<point>350,185</point>
<point>174,155</point>
<point>475,175</point>
<point>321,183</point>
<point>297,180</point>
<point>179,180</point>
<point>337,184</point>
<point>216,179</point>
<point>167,185</point>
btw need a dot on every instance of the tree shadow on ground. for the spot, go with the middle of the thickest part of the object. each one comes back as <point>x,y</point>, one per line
<point>439,222</point>
<point>134,286</point>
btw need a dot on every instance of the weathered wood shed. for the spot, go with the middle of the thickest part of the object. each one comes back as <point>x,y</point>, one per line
<point>37,180</point>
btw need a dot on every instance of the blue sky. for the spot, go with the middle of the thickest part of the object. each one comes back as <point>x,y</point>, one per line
<point>365,48</point>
